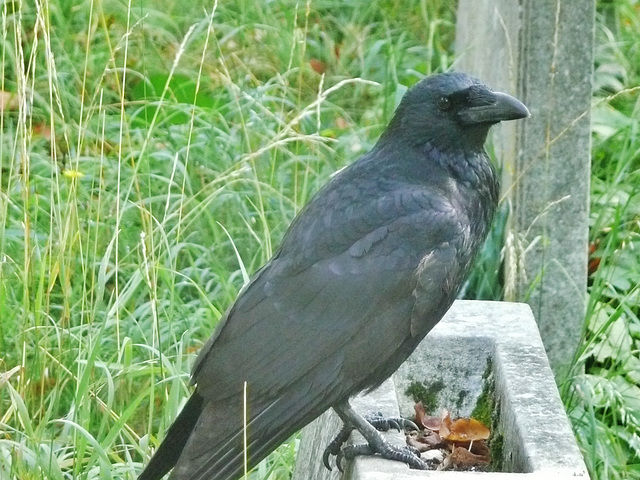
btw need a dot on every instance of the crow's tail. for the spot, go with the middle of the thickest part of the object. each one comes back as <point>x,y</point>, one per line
<point>217,449</point>
<point>167,455</point>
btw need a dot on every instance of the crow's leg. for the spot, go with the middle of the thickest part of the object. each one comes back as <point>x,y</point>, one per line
<point>376,444</point>
<point>377,420</point>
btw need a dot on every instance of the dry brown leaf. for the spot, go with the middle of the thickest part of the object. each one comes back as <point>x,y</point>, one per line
<point>413,441</point>
<point>420,414</point>
<point>480,448</point>
<point>464,437</point>
<point>425,421</point>
<point>445,424</point>
<point>463,430</point>
<point>461,458</point>
<point>336,50</point>
<point>433,423</point>
<point>318,66</point>
<point>429,438</point>
<point>42,129</point>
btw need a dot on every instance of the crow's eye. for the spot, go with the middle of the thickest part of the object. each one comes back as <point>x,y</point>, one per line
<point>444,104</point>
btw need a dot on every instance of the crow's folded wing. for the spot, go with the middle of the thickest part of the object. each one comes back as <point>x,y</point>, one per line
<point>338,299</point>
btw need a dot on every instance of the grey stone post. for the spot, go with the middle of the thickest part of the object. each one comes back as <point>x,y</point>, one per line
<point>542,52</point>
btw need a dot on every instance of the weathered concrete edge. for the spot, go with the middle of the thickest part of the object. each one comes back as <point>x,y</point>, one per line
<point>515,336</point>
<point>415,475</point>
<point>532,414</point>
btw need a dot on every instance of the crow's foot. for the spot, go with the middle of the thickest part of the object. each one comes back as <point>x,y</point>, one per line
<point>369,427</point>
<point>335,446</point>
<point>406,454</point>
<point>384,424</point>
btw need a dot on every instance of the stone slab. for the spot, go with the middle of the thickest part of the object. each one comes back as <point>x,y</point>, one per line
<point>538,441</point>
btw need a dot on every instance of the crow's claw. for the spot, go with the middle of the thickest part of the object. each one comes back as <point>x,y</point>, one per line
<point>352,451</point>
<point>377,445</point>
<point>384,424</point>
<point>405,453</point>
<point>335,446</point>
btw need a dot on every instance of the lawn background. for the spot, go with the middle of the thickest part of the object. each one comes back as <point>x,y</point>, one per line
<point>153,154</point>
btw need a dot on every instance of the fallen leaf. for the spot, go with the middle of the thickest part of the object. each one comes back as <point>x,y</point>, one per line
<point>426,440</point>
<point>425,421</point>
<point>420,414</point>
<point>445,424</point>
<point>480,448</point>
<point>336,50</point>
<point>318,66</point>
<point>433,423</point>
<point>42,129</point>
<point>461,458</point>
<point>594,264</point>
<point>412,441</point>
<point>462,440</point>
<point>463,430</point>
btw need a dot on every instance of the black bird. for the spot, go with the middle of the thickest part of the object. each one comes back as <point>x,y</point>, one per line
<point>365,270</point>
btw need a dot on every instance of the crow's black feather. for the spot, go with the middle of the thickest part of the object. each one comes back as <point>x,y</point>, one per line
<point>365,270</point>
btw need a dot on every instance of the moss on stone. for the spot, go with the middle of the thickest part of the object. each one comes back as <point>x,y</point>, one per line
<point>483,410</point>
<point>487,410</point>
<point>427,394</point>
<point>496,444</point>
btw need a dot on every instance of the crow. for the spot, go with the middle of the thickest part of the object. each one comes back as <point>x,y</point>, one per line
<point>365,270</point>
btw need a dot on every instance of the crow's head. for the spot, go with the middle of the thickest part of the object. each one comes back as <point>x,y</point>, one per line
<point>451,111</point>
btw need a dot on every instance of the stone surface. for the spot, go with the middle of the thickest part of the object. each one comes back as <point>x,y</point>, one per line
<point>538,441</point>
<point>542,52</point>
<point>318,434</point>
<point>315,437</point>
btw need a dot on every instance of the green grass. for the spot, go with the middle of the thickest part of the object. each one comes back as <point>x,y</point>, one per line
<point>153,155</point>
<point>603,398</point>
<point>151,160</point>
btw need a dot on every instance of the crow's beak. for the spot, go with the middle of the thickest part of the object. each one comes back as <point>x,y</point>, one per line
<point>501,107</point>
